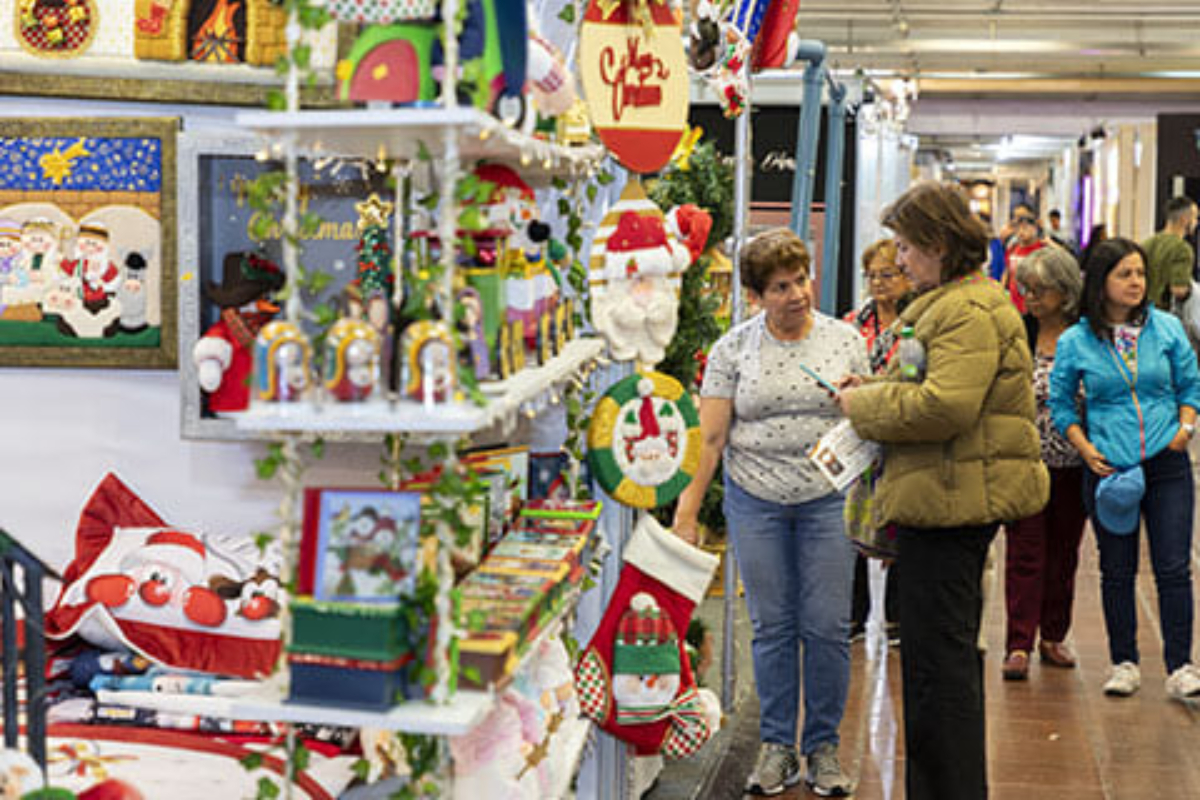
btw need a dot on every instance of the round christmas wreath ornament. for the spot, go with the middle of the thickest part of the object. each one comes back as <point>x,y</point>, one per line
<point>644,440</point>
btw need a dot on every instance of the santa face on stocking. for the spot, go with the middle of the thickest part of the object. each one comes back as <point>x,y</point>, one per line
<point>649,438</point>
<point>636,307</point>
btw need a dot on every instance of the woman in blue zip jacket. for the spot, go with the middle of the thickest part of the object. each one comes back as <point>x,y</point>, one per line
<point>1142,390</point>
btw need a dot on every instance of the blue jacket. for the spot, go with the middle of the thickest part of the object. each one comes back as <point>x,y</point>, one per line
<point>1167,378</point>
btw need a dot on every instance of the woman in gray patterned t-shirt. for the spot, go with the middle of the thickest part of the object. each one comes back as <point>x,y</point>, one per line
<point>761,408</point>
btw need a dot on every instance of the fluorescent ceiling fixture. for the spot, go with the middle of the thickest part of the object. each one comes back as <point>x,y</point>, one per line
<point>984,45</point>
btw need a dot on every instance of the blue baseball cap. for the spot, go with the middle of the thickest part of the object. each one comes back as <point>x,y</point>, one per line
<point>1119,500</point>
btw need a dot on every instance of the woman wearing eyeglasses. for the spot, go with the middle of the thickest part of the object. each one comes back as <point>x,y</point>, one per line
<point>1042,551</point>
<point>888,290</point>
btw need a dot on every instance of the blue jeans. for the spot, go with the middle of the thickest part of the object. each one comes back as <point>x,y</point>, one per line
<point>1167,509</point>
<point>797,566</point>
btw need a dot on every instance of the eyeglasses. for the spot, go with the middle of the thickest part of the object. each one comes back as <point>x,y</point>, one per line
<point>882,275</point>
<point>1034,291</point>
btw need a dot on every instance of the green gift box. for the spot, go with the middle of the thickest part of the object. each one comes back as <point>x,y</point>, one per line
<point>349,630</point>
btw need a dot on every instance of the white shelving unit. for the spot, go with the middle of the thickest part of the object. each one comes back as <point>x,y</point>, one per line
<point>464,711</point>
<point>505,399</point>
<point>402,132</point>
<point>448,138</point>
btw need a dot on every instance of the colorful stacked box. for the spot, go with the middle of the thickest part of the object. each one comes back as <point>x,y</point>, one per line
<point>507,600</point>
<point>351,654</point>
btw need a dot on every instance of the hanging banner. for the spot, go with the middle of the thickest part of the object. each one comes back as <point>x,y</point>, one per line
<point>635,79</point>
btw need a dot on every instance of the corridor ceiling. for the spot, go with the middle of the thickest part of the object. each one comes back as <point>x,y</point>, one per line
<point>1011,82</point>
<point>1116,41</point>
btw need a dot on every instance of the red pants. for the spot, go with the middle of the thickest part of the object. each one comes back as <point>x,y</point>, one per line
<point>1039,567</point>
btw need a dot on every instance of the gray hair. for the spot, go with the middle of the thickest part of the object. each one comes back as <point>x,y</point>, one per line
<point>1054,268</point>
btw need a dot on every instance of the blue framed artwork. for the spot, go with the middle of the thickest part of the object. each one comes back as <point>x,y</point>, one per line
<point>367,545</point>
<point>87,242</point>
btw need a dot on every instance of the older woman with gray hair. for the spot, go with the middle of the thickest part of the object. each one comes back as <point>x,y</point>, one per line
<point>1043,550</point>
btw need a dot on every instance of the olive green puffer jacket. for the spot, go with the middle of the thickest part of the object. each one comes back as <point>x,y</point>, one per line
<point>961,447</point>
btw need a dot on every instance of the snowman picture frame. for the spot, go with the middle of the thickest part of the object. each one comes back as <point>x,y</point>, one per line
<point>360,545</point>
<point>644,440</point>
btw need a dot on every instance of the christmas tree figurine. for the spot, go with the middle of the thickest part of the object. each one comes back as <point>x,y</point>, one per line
<point>372,288</point>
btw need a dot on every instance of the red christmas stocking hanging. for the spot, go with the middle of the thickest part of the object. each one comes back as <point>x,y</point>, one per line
<point>634,679</point>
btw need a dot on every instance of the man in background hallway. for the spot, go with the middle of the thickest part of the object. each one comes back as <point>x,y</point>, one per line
<point>1169,257</point>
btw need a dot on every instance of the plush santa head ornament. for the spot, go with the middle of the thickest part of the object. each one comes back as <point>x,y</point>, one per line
<point>635,303</point>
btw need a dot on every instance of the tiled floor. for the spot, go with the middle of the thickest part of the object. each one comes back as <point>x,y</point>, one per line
<point>1055,736</point>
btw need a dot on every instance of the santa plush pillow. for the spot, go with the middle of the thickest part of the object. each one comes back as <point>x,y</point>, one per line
<point>180,599</point>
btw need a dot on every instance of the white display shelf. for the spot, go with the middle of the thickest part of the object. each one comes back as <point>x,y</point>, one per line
<point>401,132</point>
<point>505,400</point>
<point>464,712</point>
<point>458,716</point>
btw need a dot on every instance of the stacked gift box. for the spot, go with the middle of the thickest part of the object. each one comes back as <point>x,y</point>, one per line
<point>521,584</point>
<point>350,654</point>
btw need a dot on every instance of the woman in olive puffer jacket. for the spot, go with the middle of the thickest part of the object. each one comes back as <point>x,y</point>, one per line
<point>961,456</point>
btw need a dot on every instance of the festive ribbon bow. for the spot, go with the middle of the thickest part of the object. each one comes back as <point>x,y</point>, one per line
<point>689,728</point>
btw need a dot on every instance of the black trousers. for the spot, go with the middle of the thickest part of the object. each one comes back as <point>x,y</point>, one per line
<point>940,607</point>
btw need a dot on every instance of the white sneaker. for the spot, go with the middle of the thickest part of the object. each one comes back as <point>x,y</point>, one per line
<point>1124,680</point>
<point>1184,682</point>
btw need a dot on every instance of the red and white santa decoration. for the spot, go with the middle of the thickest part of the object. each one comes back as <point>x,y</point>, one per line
<point>168,572</point>
<point>634,278</point>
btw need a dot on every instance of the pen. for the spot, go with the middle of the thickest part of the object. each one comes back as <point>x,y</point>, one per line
<point>826,385</point>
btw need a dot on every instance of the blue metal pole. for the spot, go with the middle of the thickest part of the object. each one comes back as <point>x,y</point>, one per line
<point>807,131</point>
<point>835,148</point>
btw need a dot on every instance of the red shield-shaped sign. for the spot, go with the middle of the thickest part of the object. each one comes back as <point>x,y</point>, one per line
<point>635,79</point>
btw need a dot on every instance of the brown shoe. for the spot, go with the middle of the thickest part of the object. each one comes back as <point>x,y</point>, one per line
<point>1057,654</point>
<point>1016,666</point>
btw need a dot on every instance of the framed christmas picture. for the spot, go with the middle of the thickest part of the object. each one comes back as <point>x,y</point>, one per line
<point>360,545</point>
<point>87,242</point>
<point>232,264</point>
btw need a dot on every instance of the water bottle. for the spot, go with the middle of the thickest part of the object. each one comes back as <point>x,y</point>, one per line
<point>911,355</point>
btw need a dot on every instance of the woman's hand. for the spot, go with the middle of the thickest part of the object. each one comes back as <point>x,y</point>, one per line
<point>1095,460</point>
<point>686,527</point>
<point>843,400</point>
<point>846,385</point>
<point>1181,441</point>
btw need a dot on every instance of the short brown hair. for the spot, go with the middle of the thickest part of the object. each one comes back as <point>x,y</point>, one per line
<point>769,252</point>
<point>936,216</point>
<point>883,248</point>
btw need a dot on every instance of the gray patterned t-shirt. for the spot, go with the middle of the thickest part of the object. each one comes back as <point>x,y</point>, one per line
<point>779,412</point>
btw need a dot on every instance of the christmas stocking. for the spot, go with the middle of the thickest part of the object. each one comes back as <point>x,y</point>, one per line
<point>634,679</point>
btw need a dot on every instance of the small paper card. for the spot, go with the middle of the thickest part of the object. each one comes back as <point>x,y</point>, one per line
<point>842,456</point>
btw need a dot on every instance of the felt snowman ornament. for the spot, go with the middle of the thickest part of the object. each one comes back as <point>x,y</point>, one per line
<point>635,299</point>
<point>634,679</point>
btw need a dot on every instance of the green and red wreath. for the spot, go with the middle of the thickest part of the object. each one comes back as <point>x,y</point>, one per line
<point>644,440</point>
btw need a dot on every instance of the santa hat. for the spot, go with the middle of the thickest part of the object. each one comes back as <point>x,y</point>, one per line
<point>638,247</point>
<point>183,551</point>
<point>503,177</point>
<point>691,225</point>
<point>646,416</point>
<point>646,641</point>
<point>9,229</point>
